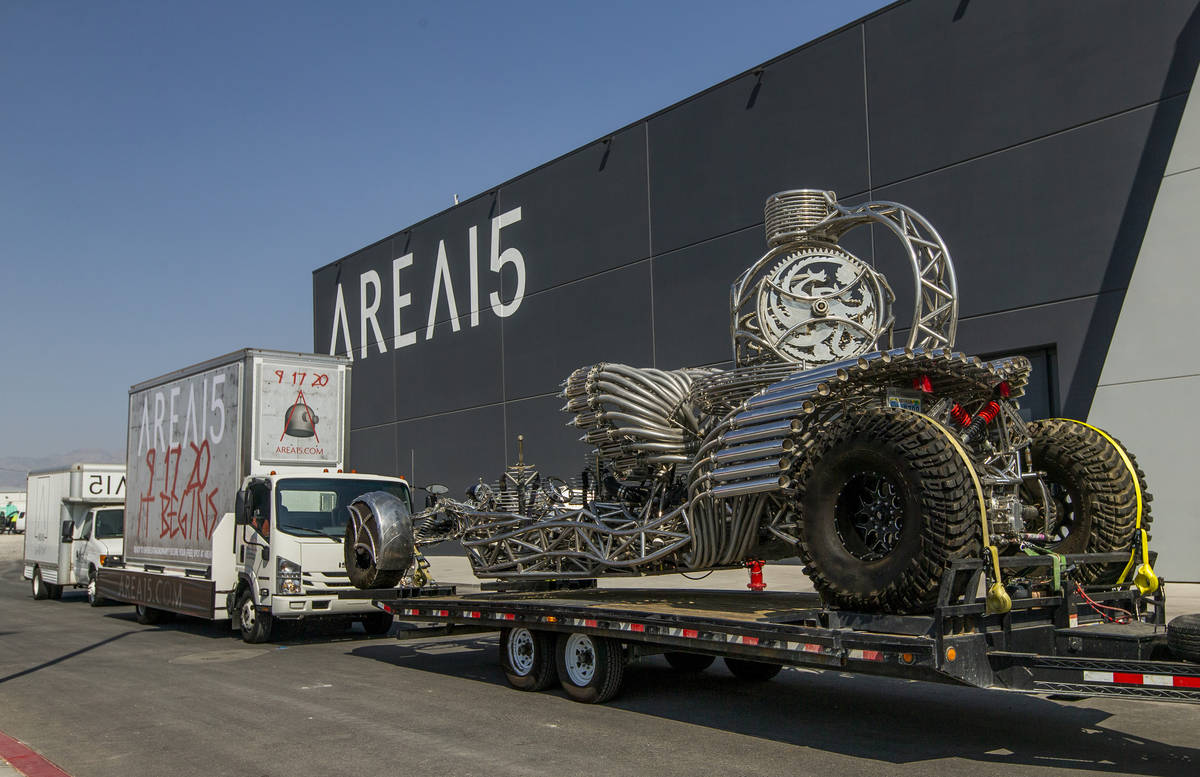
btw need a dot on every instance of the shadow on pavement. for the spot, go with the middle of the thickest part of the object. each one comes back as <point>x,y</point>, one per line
<point>879,719</point>
<point>65,657</point>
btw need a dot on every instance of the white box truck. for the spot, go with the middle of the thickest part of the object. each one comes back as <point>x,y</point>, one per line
<point>74,523</point>
<point>238,504</point>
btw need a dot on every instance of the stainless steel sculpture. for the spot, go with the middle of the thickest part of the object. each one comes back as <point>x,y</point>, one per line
<point>877,465</point>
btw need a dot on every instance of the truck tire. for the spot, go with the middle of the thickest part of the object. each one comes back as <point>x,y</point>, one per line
<point>758,671</point>
<point>886,504</point>
<point>148,616</point>
<point>39,589</point>
<point>527,657</point>
<point>94,599</point>
<point>1092,489</point>
<point>55,591</point>
<point>590,668</point>
<point>688,662</point>
<point>256,626</point>
<point>377,623</point>
<point>1183,637</point>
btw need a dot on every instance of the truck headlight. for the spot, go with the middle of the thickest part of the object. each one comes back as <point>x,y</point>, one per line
<point>287,576</point>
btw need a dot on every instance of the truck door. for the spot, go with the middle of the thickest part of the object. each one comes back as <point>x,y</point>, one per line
<point>254,533</point>
<point>79,548</point>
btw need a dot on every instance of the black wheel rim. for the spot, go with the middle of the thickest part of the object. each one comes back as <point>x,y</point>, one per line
<point>869,515</point>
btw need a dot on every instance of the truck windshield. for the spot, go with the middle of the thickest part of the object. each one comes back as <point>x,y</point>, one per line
<point>316,507</point>
<point>110,524</point>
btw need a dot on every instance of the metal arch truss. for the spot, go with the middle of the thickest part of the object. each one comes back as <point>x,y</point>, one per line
<point>808,219</point>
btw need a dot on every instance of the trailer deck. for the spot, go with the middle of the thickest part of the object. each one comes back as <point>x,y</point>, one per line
<point>1061,642</point>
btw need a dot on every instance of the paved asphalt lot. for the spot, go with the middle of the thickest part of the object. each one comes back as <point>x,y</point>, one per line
<point>98,694</point>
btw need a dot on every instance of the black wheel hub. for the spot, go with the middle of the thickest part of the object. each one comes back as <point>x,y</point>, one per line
<point>869,516</point>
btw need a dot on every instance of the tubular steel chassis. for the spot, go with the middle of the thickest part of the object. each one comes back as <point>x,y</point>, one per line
<point>1048,643</point>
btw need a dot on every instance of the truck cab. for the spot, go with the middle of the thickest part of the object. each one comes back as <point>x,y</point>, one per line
<point>289,557</point>
<point>97,542</point>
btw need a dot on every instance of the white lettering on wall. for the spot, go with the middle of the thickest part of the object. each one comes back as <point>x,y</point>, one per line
<point>505,263</point>
<point>369,280</point>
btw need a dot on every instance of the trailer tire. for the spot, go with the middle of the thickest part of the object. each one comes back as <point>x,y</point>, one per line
<point>887,503</point>
<point>148,616</point>
<point>527,658</point>
<point>256,626</point>
<point>377,623</point>
<point>688,662</point>
<point>757,671</point>
<point>1096,492</point>
<point>590,668</point>
<point>38,587</point>
<point>1183,637</point>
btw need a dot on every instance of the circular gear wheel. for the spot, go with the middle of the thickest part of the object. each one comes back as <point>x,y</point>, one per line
<point>821,304</point>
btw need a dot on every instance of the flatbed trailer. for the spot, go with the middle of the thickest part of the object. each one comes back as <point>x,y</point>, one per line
<point>1053,641</point>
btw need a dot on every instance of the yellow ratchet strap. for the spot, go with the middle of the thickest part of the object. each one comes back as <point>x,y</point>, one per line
<point>1143,577</point>
<point>998,600</point>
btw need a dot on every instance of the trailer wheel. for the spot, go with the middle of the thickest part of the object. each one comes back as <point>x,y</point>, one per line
<point>256,626</point>
<point>887,504</point>
<point>1092,493</point>
<point>527,658</point>
<point>377,622</point>
<point>148,616</point>
<point>688,662</point>
<point>758,671</point>
<point>38,587</point>
<point>590,668</point>
<point>1183,637</point>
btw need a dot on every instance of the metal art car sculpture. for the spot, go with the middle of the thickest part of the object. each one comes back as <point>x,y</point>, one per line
<point>877,465</point>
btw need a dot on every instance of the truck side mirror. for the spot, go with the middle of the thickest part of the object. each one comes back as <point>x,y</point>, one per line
<point>239,508</point>
<point>68,531</point>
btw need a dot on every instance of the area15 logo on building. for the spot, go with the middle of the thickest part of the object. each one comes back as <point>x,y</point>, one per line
<point>298,414</point>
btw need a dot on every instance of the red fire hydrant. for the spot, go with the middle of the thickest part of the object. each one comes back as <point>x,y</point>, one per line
<point>756,576</point>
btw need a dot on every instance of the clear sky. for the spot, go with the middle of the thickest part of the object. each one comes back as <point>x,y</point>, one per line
<point>171,173</point>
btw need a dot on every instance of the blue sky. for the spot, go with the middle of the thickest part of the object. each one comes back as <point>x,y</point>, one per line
<point>171,173</point>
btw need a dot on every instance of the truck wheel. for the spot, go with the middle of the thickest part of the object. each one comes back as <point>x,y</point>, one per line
<point>256,626</point>
<point>1092,493</point>
<point>886,504</point>
<point>377,622</point>
<point>528,658</point>
<point>688,662</point>
<point>39,589</point>
<point>590,668</point>
<point>1183,637</point>
<point>93,598</point>
<point>758,671</point>
<point>148,616</point>
<point>55,591</point>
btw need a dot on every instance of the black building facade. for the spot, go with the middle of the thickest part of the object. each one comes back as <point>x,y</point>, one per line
<point>1034,135</point>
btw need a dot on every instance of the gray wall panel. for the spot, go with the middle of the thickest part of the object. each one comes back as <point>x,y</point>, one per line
<point>584,214</point>
<point>949,80</point>
<point>454,448</point>
<point>455,370</point>
<point>550,444</point>
<point>373,450</point>
<point>716,158</point>
<point>602,318</point>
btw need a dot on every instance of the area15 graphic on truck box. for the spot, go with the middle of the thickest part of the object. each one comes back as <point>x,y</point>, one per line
<point>182,465</point>
<point>299,413</point>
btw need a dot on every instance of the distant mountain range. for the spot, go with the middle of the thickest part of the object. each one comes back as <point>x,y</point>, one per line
<point>14,469</point>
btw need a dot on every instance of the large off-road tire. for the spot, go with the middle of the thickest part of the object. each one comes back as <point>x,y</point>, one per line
<point>361,568</point>
<point>886,504</point>
<point>1092,491</point>
<point>590,668</point>
<point>527,657</point>
<point>1183,637</point>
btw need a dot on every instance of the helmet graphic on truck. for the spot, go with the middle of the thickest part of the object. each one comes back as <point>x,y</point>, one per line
<point>300,420</point>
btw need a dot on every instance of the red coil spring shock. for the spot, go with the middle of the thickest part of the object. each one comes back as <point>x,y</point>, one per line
<point>982,419</point>
<point>961,416</point>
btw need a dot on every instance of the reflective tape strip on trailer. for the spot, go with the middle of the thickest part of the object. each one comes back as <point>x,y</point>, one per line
<point>1130,678</point>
